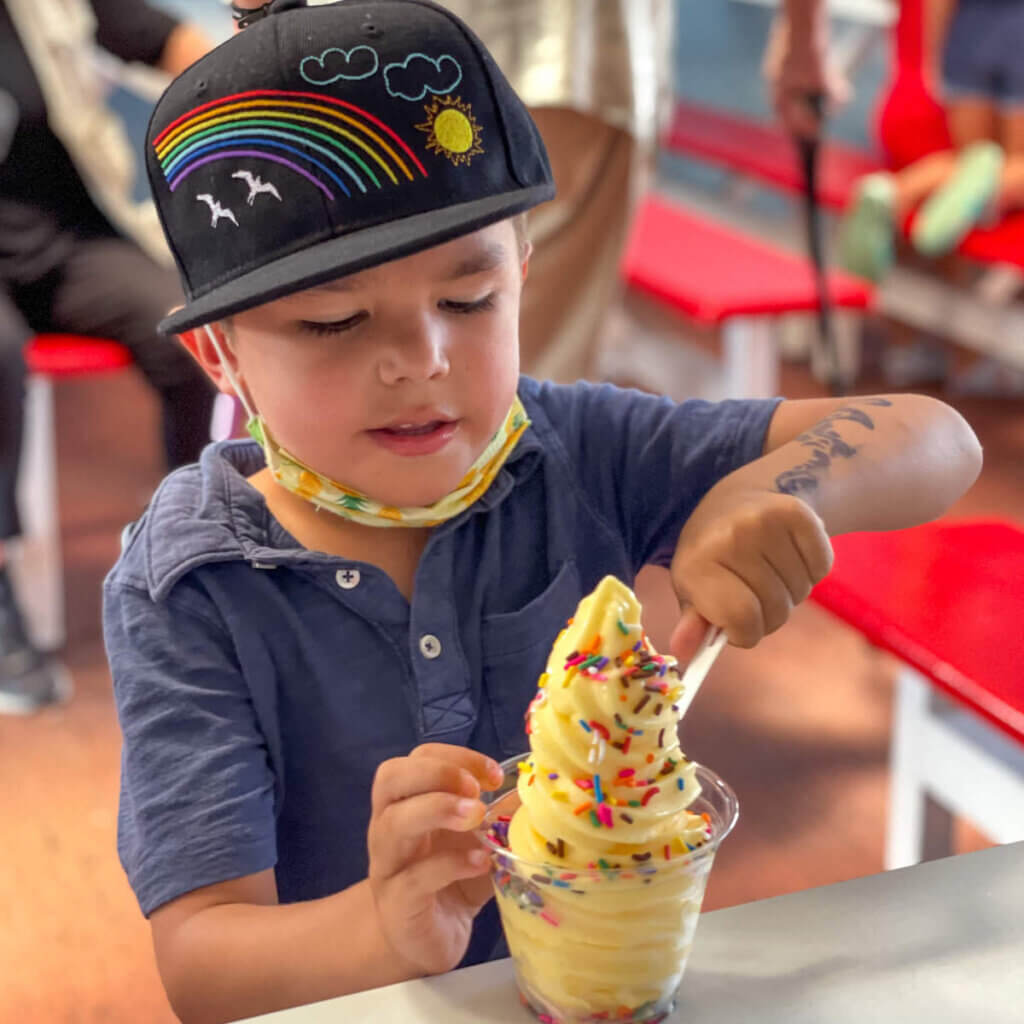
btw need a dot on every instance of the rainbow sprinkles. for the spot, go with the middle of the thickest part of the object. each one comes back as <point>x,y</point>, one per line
<point>335,145</point>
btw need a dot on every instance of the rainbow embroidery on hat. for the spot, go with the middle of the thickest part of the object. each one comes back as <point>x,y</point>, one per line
<point>330,142</point>
<point>452,129</point>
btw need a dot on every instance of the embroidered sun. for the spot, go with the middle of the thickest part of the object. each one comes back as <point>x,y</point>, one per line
<point>452,129</point>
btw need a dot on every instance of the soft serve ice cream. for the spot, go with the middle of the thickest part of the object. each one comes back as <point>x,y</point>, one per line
<point>603,929</point>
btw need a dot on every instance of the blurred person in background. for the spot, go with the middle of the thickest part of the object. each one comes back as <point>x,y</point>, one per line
<point>597,79</point>
<point>596,75</point>
<point>972,62</point>
<point>77,252</point>
<point>796,67</point>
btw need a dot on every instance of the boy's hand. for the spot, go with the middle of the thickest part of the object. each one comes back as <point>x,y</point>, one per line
<point>428,875</point>
<point>745,557</point>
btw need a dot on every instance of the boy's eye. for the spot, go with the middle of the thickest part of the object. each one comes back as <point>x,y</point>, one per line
<point>477,306</point>
<point>321,328</point>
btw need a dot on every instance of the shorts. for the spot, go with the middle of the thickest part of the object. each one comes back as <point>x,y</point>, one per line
<point>982,59</point>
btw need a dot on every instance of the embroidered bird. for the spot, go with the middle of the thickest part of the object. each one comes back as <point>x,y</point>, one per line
<point>256,186</point>
<point>216,210</point>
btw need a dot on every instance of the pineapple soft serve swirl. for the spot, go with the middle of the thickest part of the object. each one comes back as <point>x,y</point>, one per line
<point>605,792</point>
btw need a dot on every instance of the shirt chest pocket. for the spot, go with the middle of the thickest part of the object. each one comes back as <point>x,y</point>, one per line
<point>516,646</point>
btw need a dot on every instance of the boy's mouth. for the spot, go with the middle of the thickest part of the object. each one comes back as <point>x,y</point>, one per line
<point>415,437</point>
<point>412,430</point>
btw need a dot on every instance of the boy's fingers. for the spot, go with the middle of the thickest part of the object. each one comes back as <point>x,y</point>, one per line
<point>484,769</point>
<point>816,550</point>
<point>690,630</point>
<point>431,875</point>
<point>478,890</point>
<point>770,605</point>
<point>396,832</point>
<point>404,777</point>
<point>785,559</point>
<point>730,601</point>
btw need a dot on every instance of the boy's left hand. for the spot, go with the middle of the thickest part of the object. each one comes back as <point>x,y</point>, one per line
<point>745,557</point>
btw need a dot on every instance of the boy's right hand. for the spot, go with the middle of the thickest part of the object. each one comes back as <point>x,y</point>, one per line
<point>428,873</point>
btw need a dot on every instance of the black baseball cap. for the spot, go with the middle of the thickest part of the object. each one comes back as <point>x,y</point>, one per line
<point>324,140</point>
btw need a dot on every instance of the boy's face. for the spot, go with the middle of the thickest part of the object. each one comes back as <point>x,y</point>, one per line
<point>392,380</point>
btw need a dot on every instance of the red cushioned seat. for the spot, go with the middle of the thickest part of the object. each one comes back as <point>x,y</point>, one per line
<point>70,355</point>
<point>711,272</point>
<point>947,599</point>
<point>764,151</point>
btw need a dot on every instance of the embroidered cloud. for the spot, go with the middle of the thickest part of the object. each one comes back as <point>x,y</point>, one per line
<point>334,65</point>
<point>412,78</point>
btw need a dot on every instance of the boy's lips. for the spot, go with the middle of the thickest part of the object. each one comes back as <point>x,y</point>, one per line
<point>416,435</point>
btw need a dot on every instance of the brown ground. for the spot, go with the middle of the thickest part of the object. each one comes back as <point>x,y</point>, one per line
<point>799,727</point>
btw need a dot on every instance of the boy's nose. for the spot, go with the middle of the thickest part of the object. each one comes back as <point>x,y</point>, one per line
<point>416,353</point>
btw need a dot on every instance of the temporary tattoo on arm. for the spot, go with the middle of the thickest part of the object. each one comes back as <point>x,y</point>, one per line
<point>826,444</point>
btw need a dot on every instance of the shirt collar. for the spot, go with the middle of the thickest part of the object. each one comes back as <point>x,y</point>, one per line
<point>210,512</point>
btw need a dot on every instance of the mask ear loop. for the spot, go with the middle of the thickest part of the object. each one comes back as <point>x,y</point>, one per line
<point>225,365</point>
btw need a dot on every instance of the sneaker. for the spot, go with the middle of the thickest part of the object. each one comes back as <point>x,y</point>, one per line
<point>946,217</point>
<point>29,681</point>
<point>867,233</point>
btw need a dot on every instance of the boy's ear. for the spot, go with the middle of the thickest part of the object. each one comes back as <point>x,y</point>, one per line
<point>524,261</point>
<point>204,352</point>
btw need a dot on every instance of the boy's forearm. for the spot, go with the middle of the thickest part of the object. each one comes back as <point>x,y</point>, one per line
<point>240,960</point>
<point>873,464</point>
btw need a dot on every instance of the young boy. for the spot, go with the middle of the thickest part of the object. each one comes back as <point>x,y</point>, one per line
<point>321,643</point>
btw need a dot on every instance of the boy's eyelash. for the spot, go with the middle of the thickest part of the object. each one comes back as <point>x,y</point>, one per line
<point>333,326</point>
<point>340,326</point>
<point>487,302</point>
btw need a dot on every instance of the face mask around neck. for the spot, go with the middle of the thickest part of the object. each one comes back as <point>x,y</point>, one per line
<point>349,503</point>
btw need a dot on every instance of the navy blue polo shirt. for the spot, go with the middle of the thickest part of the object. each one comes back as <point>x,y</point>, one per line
<point>260,684</point>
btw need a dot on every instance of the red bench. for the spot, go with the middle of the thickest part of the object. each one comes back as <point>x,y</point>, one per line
<point>721,279</point>
<point>48,358</point>
<point>764,151</point>
<point>947,600</point>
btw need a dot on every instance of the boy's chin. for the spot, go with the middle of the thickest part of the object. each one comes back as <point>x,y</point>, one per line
<point>415,498</point>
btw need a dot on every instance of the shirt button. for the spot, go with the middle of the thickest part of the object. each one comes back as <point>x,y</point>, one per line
<point>430,646</point>
<point>347,579</point>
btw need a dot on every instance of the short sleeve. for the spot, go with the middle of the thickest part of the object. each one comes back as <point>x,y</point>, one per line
<point>133,29</point>
<point>197,791</point>
<point>644,462</point>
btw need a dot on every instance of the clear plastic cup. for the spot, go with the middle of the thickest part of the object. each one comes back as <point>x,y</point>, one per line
<point>602,944</point>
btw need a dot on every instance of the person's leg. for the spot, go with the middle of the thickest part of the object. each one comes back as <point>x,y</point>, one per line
<point>109,288</point>
<point>1011,190</point>
<point>578,238</point>
<point>14,334</point>
<point>28,680</point>
<point>882,201</point>
<point>969,193</point>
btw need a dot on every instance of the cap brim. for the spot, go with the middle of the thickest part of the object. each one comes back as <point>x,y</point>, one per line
<point>347,254</point>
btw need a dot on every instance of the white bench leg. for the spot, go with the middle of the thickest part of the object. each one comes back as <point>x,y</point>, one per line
<point>751,358</point>
<point>904,838</point>
<point>37,564</point>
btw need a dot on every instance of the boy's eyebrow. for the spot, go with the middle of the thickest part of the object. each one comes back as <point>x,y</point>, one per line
<point>490,257</point>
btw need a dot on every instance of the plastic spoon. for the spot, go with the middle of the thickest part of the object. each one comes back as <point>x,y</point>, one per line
<point>700,665</point>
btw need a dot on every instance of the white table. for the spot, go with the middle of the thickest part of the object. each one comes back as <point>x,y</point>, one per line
<point>939,943</point>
